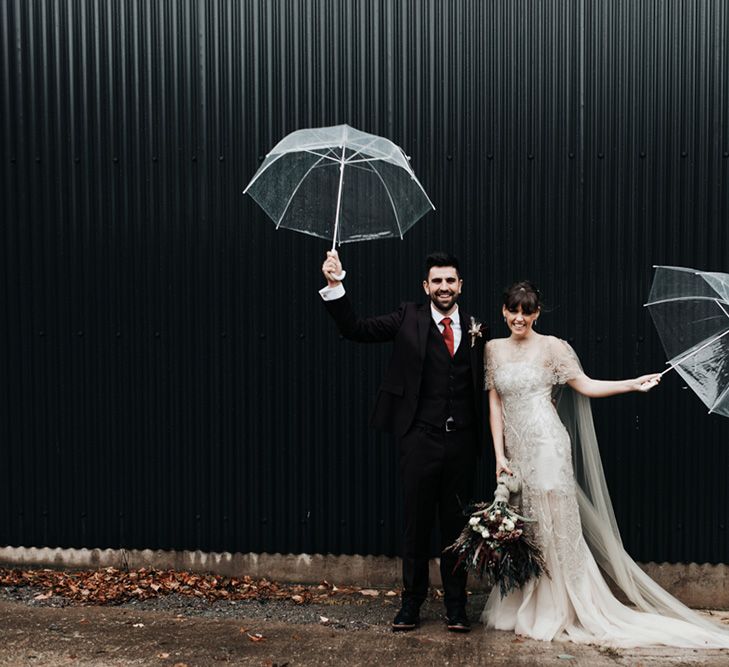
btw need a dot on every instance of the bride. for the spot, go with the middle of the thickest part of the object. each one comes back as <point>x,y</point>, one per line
<point>564,491</point>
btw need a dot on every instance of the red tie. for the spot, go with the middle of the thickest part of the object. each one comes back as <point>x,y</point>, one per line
<point>448,335</point>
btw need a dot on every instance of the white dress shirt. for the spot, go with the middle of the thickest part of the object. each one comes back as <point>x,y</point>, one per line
<point>332,293</point>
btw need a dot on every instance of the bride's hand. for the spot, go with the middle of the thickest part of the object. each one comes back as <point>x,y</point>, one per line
<point>502,465</point>
<point>646,382</point>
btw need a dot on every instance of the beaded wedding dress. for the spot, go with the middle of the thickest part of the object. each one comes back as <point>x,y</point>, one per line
<point>553,449</point>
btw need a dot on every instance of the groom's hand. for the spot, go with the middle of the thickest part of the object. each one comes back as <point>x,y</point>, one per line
<point>332,269</point>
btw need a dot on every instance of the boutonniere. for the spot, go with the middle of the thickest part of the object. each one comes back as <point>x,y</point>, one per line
<point>475,330</point>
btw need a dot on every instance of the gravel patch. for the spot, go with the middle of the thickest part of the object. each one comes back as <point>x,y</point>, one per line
<point>352,611</point>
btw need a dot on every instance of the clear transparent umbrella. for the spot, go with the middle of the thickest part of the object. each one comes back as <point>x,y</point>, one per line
<point>340,184</point>
<point>690,310</point>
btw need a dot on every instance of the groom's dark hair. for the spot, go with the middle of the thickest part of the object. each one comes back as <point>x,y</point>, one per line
<point>441,259</point>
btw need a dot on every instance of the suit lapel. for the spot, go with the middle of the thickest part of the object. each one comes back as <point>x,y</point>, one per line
<point>474,351</point>
<point>465,320</point>
<point>424,319</point>
<point>465,338</point>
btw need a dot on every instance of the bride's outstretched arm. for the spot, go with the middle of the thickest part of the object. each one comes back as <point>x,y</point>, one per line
<point>602,388</point>
<point>496,422</point>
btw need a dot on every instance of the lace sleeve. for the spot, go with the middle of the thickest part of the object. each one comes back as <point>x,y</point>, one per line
<point>563,362</point>
<point>488,365</point>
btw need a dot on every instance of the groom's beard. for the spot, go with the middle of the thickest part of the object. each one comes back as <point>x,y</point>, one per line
<point>442,302</point>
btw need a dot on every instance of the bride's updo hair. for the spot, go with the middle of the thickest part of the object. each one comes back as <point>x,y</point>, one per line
<point>524,294</point>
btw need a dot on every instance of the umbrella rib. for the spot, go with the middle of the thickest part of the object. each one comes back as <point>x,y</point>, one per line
<point>719,399</point>
<point>369,159</point>
<point>422,189</point>
<point>296,189</point>
<point>259,172</point>
<point>361,148</point>
<point>323,156</point>
<point>673,299</point>
<point>723,310</point>
<point>683,269</point>
<point>389,196</point>
<point>367,168</point>
<point>705,345</point>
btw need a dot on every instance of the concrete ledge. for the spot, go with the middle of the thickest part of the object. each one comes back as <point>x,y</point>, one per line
<point>702,586</point>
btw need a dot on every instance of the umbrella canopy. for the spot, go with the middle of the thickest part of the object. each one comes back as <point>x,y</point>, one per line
<point>340,184</point>
<point>690,310</point>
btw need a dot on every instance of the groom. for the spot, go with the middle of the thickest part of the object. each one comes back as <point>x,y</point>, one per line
<point>432,399</point>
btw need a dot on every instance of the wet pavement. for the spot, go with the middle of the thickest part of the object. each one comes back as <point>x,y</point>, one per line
<point>351,629</point>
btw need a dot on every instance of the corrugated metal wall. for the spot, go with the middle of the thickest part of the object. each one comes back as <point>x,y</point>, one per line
<point>168,377</point>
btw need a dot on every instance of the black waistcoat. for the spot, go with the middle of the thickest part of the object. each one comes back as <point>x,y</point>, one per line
<point>446,389</point>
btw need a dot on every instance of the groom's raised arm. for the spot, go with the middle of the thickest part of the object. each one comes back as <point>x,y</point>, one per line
<point>378,329</point>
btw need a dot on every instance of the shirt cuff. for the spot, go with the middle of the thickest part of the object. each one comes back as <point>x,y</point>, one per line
<point>332,293</point>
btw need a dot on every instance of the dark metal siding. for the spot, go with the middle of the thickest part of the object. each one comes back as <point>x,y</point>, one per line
<point>168,377</point>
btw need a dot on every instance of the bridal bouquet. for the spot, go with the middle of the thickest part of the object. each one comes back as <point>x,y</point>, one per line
<point>493,543</point>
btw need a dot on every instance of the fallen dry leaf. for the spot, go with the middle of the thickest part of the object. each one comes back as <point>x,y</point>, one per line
<point>323,620</point>
<point>258,637</point>
<point>112,586</point>
<point>369,592</point>
<point>164,656</point>
<point>138,625</point>
<point>390,594</point>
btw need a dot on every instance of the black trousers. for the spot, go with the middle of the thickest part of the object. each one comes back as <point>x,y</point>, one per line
<point>437,470</point>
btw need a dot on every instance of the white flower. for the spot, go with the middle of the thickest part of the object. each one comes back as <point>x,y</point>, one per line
<point>508,524</point>
<point>474,520</point>
<point>476,529</point>
<point>485,533</point>
<point>475,330</point>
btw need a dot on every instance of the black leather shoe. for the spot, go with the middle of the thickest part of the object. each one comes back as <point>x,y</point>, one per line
<point>457,620</point>
<point>408,618</point>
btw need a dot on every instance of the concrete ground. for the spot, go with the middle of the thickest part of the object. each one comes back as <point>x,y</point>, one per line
<point>351,630</point>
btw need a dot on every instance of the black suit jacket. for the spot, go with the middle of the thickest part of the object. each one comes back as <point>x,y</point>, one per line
<point>407,327</point>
